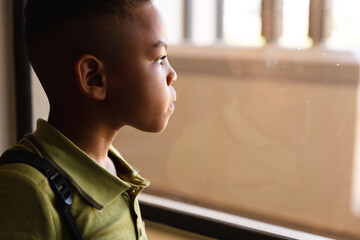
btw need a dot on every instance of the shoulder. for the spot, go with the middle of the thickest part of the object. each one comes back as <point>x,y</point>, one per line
<point>25,203</point>
<point>10,167</point>
<point>14,174</point>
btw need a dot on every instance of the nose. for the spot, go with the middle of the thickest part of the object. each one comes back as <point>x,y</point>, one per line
<point>171,77</point>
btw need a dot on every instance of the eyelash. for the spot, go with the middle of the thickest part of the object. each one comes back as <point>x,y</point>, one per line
<point>161,59</point>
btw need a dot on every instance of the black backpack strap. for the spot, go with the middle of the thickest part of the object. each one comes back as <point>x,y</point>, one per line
<point>57,182</point>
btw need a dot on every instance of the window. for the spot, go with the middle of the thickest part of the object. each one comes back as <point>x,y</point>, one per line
<point>345,33</point>
<point>295,24</point>
<point>242,23</point>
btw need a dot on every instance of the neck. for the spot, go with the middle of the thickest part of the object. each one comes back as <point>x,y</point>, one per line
<point>87,132</point>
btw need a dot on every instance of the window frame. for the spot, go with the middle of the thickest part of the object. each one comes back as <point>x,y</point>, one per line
<point>213,223</point>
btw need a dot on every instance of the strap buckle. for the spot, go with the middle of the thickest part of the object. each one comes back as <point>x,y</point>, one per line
<point>61,187</point>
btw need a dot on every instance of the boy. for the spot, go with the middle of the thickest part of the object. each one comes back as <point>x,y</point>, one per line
<point>102,65</point>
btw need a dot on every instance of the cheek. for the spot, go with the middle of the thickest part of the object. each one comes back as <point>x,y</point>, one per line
<point>154,104</point>
<point>142,97</point>
<point>151,85</point>
<point>154,98</point>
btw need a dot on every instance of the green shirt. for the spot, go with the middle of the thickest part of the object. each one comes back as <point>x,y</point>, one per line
<point>104,206</point>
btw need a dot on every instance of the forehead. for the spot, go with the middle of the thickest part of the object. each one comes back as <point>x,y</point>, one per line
<point>148,23</point>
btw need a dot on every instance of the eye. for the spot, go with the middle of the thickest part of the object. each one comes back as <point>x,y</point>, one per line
<point>161,59</point>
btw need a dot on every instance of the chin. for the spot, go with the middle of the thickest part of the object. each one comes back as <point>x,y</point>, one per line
<point>154,128</point>
<point>158,129</point>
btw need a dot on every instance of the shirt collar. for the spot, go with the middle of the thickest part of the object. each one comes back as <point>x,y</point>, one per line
<point>98,186</point>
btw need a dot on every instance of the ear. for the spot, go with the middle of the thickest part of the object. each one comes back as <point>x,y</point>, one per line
<point>90,77</point>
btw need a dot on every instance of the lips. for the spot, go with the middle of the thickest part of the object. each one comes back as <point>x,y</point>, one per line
<point>172,105</point>
<point>173,99</point>
<point>172,90</point>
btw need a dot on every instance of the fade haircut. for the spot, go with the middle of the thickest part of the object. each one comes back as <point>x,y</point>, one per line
<point>43,16</point>
<point>57,32</point>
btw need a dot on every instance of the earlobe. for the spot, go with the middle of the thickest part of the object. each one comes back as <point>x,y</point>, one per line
<point>90,77</point>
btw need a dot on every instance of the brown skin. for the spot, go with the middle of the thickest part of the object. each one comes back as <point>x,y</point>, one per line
<point>130,86</point>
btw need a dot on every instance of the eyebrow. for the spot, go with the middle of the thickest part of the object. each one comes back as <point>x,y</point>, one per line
<point>160,44</point>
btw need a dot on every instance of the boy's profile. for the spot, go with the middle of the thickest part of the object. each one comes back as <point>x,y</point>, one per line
<point>103,65</point>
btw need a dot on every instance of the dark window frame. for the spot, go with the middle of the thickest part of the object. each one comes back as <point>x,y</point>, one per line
<point>22,73</point>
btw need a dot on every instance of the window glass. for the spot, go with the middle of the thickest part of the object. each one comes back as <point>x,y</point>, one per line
<point>345,25</point>
<point>295,24</point>
<point>242,23</point>
<point>204,22</point>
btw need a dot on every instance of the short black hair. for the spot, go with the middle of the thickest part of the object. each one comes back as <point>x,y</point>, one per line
<point>57,32</point>
<point>42,16</point>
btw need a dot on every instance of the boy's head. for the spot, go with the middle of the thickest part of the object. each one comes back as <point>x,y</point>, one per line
<point>104,59</point>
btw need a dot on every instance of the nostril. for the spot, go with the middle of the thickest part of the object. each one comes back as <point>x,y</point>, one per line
<point>171,78</point>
